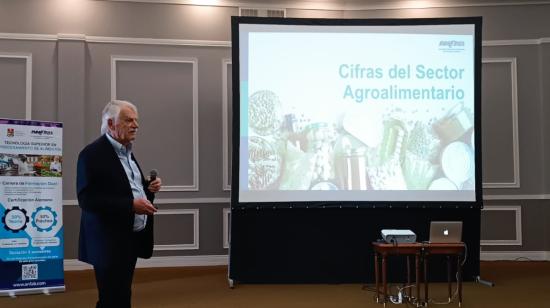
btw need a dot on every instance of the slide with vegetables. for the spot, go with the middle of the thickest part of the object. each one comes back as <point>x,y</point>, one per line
<point>347,113</point>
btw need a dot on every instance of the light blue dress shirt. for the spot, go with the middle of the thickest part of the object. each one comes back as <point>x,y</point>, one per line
<point>134,177</point>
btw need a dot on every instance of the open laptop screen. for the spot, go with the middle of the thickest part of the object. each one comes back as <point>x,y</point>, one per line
<point>445,231</point>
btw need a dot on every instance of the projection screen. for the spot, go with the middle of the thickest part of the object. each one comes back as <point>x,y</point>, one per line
<point>356,110</point>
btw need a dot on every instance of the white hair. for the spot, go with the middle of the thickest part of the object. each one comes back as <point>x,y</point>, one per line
<point>111,111</point>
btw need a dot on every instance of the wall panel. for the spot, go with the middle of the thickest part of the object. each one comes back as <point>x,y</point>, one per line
<point>70,81</point>
<point>165,92</point>
<point>499,109</point>
<point>14,77</point>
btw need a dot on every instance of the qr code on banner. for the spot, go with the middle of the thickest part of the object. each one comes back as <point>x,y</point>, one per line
<point>29,271</point>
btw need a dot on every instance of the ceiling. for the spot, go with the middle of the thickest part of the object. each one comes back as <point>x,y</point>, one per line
<point>346,4</point>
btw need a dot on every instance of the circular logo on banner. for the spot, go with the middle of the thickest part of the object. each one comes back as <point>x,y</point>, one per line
<point>15,219</point>
<point>44,219</point>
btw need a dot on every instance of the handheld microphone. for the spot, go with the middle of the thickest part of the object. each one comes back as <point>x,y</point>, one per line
<point>153,174</point>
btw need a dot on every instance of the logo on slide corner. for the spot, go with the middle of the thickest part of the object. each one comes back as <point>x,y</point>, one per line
<point>451,46</point>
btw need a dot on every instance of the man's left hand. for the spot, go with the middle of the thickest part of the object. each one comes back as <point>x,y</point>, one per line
<point>155,185</point>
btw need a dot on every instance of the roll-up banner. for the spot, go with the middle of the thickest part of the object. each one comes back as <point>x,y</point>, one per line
<point>31,228</point>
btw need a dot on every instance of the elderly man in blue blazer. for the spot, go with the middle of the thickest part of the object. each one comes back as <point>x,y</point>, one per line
<point>116,225</point>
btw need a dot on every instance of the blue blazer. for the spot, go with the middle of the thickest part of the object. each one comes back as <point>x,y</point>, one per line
<point>107,217</point>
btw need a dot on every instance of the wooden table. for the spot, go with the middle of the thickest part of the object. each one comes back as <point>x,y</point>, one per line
<point>385,249</point>
<point>448,249</point>
<point>421,253</point>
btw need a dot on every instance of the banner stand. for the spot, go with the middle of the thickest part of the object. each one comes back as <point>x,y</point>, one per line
<point>31,207</point>
<point>45,291</point>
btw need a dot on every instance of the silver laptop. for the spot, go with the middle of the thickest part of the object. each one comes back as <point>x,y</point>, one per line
<point>445,231</point>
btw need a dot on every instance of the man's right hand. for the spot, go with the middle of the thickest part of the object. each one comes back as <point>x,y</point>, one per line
<point>143,206</point>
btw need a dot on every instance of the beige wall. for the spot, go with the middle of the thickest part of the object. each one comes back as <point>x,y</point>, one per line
<point>173,62</point>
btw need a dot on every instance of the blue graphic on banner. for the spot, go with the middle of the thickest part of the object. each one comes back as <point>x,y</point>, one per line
<point>31,226</point>
<point>35,274</point>
<point>24,246</point>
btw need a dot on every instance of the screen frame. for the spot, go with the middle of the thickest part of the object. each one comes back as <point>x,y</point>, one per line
<point>235,43</point>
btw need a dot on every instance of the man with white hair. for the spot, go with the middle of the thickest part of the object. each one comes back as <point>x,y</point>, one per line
<point>116,225</point>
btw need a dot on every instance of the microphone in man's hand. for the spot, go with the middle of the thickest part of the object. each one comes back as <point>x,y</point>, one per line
<point>153,175</point>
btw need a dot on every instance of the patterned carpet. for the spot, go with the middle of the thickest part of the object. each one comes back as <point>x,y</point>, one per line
<point>517,284</point>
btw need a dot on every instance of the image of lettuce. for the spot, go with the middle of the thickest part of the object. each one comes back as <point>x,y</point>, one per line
<point>264,164</point>
<point>265,112</point>
<point>298,169</point>
<point>417,171</point>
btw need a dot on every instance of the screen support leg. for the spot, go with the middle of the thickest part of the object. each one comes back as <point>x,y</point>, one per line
<point>484,282</point>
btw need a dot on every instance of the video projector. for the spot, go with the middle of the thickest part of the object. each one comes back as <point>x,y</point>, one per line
<point>394,236</point>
